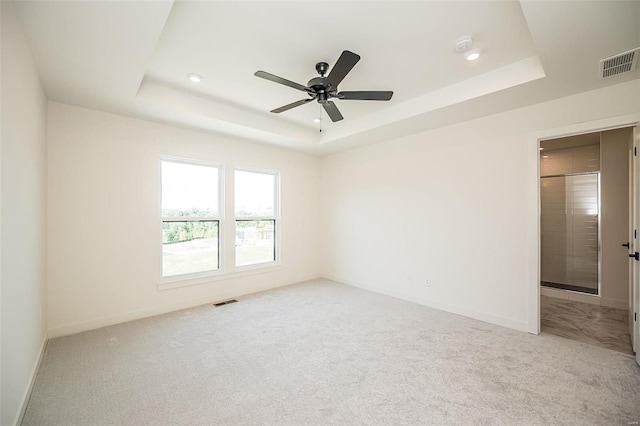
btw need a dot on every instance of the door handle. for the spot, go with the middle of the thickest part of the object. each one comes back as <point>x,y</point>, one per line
<point>635,255</point>
<point>627,245</point>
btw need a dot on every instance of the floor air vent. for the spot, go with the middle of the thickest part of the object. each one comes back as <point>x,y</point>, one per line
<point>225,302</point>
<point>619,64</point>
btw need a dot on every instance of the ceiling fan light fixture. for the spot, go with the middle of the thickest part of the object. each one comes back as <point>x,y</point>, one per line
<point>194,78</point>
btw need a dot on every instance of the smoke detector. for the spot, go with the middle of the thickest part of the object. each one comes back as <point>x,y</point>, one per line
<point>463,44</point>
<point>618,64</point>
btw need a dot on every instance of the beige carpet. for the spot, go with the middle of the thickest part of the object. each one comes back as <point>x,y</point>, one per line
<point>325,353</point>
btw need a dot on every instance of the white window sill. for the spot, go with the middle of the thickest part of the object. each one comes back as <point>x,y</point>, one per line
<point>198,279</point>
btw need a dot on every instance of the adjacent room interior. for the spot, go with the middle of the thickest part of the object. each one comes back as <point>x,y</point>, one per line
<point>586,226</point>
<point>288,213</point>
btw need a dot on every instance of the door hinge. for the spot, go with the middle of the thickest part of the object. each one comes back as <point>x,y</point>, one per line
<point>635,316</point>
<point>635,151</point>
<point>635,233</point>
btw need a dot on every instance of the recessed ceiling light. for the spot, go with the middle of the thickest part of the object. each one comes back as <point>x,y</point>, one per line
<point>194,78</point>
<point>316,120</point>
<point>473,56</point>
<point>545,156</point>
<point>541,148</point>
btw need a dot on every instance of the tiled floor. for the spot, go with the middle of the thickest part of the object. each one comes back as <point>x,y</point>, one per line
<point>594,324</point>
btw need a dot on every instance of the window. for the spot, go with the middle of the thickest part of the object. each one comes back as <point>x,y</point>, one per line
<point>190,218</point>
<point>196,241</point>
<point>256,212</point>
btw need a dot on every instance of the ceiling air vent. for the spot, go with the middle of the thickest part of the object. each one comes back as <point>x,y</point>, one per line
<point>618,64</point>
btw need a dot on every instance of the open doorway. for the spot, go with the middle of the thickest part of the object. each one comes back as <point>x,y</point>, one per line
<point>585,231</point>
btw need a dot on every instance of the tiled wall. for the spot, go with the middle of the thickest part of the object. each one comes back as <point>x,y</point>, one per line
<point>571,160</point>
<point>569,222</point>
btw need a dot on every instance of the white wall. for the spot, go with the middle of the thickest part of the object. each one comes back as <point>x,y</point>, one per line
<point>104,216</point>
<point>458,205</point>
<point>23,195</point>
<point>614,225</point>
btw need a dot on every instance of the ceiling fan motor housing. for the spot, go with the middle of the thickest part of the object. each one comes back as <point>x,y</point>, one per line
<point>322,68</point>
<point>318,87</point>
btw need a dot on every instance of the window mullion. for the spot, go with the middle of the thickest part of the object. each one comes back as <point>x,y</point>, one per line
<point>190,219</point>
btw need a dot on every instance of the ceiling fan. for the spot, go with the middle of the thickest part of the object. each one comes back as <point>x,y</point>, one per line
<point>324,88</point>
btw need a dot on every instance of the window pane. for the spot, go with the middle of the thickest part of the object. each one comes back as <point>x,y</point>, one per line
<point>254,194</point>
<point>189,247</point>
<point>255,242</point>
<point>189,190</point>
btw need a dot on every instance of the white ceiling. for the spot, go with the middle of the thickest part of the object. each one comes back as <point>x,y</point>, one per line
<point>132,58</point>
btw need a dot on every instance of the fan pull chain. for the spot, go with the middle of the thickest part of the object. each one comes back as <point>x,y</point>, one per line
<point>320,116</point>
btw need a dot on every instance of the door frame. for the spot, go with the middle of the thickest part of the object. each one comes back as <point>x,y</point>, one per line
<point>632,225</point>
<point>629,120</point>
<point>635,219</point>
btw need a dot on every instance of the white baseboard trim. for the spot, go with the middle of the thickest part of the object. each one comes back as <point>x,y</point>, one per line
<point>238,291</point>
<point>469,313</point>
<point>27,393</point>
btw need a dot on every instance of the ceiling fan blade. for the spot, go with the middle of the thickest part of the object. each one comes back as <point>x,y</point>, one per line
<point>365,96</point>
<point>276,79</point>
<point>291,105</point>
<point>332,110</point>
<point>345,63</point>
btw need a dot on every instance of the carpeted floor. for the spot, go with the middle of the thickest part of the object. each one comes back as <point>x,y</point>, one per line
<point>324,353</point>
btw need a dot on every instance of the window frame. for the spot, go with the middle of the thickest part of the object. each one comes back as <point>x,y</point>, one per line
<point>226,228</point>
<point>219,219</point>
<point>275,218</point>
